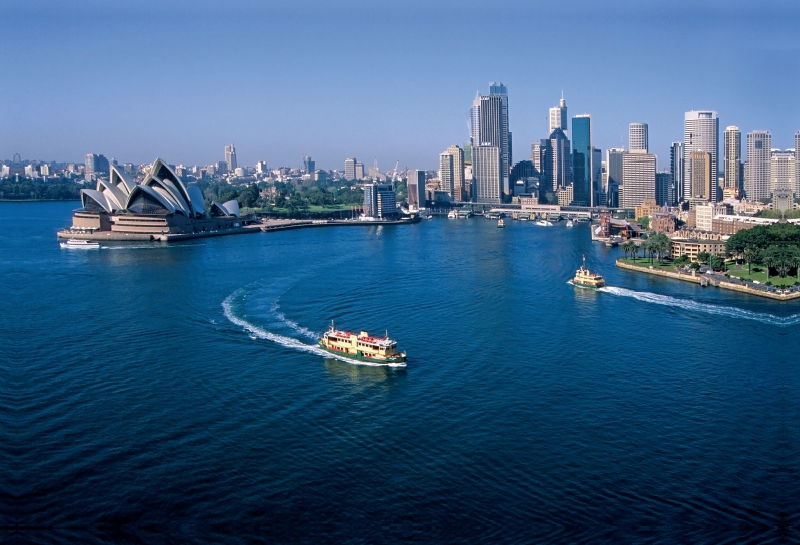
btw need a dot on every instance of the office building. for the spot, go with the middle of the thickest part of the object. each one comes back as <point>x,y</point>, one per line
<point>380,200</point>
<point>458,172</point>
<point>783,171</point>
<point>96,165</point>
<point>490,128</point>
<point>537,154</point>
<point>230,157</point>
<point>350,168</point>
<point>637,138</point>
<point>359,170</point>
<point>676,168</point>
<point>557,161</point>
<point>757,168</point>
<point>582,158</point>
<point>703,179</point>
<point>487,184</point>
<point>558,116</point>
<point>309,166</point>
<point>732,144</point>
<point>700,133</point>
<point>597,176</point>
<point>613,175</point>
<point>638,179</point>
<point>446,173</point>
<point>261,167</point>
<point>797,158</point>
<point>415,182</point>
<point>665,189</point>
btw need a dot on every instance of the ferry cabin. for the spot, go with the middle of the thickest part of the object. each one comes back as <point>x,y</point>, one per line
<point>352,344</point>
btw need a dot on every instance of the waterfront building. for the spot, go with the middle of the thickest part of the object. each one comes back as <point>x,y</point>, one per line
<point>665,189</point>
<point>359,171</point>
<point>613,174</point>
<point>309,166</point>
<point>120,209</point>
<point>558,161</point>
<point>350,168</point>
<point>732,144</point>
<point>380,201</point>
<point>490,127</point>
<point>95,166</point>
<point>638,179</point>
<point>488,187</point>
<point>230,158</point>
<point>637,138</point>
<point>701,133</point>
<point>558,116</point>
<point>582,158</point>
<point>415,182</point>
<point>783,171</point>
<point>690,247</point>
<point>458,172</point>
<point>676,168</point>
<point>565,195</point>
<point>701,175</point>
<point>757,169</point>
<point>446,173</point>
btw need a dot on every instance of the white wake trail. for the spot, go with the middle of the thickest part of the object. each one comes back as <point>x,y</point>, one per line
<point>688,304</point>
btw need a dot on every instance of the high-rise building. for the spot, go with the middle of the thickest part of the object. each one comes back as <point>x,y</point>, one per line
<point>557,161</point>
<point>700,133</point>
<point>415,182</point>
<point>637,138</point>
<point>95,165</point>
<point>732,142</point>
<point>309,166</point>
<point>458,171</point>
<point>613,174</point>
<point>538,148</point>
<point>783,171</point>
<point>261,167</point>
<point>582,157</point>
<point>379,200</point>
<point>757,169</point>
<point>702,176</point>
<point>230,157</point>
<point>446,173</point>
<point>665,189</point>
<point>638,179</point>
<point>558,116</point>
<point>490,128</point>
<point>487,185</point>
<point>797,159</point>
<point>597,178</point>
<point>676,168</point>
<point>359,170</point>
<point>350,168</point>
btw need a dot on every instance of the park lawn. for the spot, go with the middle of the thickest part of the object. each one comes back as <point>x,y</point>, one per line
<point>740,271</point>
<point>645,262</point>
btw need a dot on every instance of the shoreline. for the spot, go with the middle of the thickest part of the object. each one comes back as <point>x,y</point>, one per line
<point>712,280</point>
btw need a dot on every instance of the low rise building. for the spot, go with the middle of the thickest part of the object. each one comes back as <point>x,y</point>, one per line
<point>663,222</point>
<point>690,247</point>
<point>646,209</point>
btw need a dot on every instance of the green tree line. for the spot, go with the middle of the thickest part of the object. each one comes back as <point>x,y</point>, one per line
<point>775,246</point>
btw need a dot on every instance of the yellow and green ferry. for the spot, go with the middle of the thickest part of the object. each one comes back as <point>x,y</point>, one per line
<point>585,279</point>
<point>361,347</point>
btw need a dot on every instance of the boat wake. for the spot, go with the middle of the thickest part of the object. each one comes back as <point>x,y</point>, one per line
<point>229,306</point>
<point>706,308</point>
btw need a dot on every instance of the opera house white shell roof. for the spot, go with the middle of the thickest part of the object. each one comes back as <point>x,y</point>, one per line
<point>161,192</point>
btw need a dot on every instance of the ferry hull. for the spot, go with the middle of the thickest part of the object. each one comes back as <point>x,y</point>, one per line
<point>356,357</point>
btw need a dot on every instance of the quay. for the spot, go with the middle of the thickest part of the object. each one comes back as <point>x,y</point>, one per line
<point>284,225</point>
<point>717,280</point>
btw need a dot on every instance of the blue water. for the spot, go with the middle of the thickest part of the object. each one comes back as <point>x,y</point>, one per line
<point>154,393</point>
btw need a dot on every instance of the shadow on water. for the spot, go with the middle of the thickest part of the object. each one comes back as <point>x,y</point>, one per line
<point>365,375</point>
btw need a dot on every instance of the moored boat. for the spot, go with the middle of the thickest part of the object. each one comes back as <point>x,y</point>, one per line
<point>80,244</point>
<point>361,346</point>
<point>587,279</point>
<point>544,223</point>
<point>501,223</point>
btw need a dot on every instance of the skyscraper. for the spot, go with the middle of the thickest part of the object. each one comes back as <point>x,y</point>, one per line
<point>490,128</point>
<point>350,168</point>
<point>538,148</point>
<point>757,168</point>
<point>415,180</point>
<point>230,157</point>
<point>458,171</point>
<point>783,171</point>
<point>558,116</point>
<point>446,173</point>
<point>637,138</point>
<point>797,159</point>
<point>613,174</point>
<point>597,178</point>
<point>638,179</point>
<point>700,133</point>
<point>308,165</point>
<point>664,189</point>
<point>703,179</point>
<point>487,184</point>
<point>359,170</point>
<point>733,158</point>
<point>582,157</point>
<point>676,168</point>
<point>557,161</point>
<point>95,165</point>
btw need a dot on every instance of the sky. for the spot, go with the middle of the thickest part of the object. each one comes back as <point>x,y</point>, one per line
<point>386,80</point>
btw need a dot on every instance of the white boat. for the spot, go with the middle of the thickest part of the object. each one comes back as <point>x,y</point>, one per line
<point>544,223</point>
<point>81,244</point>
<point>569,223</point>
<point>501,223</point>
<point>452,215</point>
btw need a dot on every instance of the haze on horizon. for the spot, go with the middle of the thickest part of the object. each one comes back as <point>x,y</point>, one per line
<point>179,80</point>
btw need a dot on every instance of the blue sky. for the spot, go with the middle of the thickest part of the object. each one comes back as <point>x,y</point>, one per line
<point>391,80</point>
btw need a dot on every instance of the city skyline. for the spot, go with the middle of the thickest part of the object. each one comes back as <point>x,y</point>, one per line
<point>278,109</point>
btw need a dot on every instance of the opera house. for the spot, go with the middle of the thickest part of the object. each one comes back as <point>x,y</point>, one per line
<point>161,207</point>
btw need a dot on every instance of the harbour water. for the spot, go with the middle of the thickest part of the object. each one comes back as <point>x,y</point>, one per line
<point>153,392</point>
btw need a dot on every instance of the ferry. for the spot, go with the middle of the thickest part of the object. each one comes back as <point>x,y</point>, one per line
<point>80,244</point>
<point>361,347</point>
<point>501,223</point>
<point>585,279</point>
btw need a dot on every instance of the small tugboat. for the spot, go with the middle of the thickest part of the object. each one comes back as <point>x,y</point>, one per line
<point>361,347</point>
<point>501,223</point>
<point>80,244</point>
<point>585,279</point>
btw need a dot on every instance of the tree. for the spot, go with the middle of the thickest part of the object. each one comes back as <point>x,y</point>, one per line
<point>629,247</point>
<point>634,250</point>
<point>644,222</point>
<point>751,255</point>
<point>702,257</point>
<point>716,263</point>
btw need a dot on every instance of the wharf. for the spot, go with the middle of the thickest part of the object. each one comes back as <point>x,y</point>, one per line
<point>717,280</point>
<point>117,236</point>
<point>285,225</point>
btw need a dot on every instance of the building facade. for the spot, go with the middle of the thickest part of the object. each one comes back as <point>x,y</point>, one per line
<point>487,185</point>
<point>350,168</point>
<point>638,138</point>
<point>613,174</point>
<point>703,182</point>
<point>446,173</point>
<point>230,158</point>
<point>701,133</point>
<point>582,160</point>
<point>757,168</point>
<point>665,189</point>
<point>558,116</point>
<point>557,161</point>
<point>676,168</point>
<point>490,128</point>
<point>379,201</point>
<point>638,179</point>
<point>733,158</point>
<point>415,182</point>
<point>783,171</point>
<point>458,172</point>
